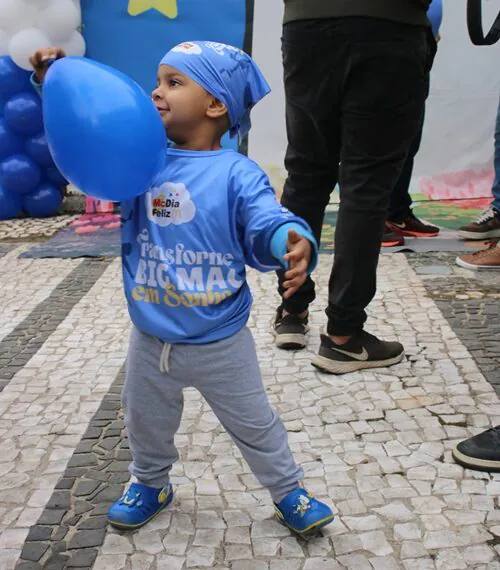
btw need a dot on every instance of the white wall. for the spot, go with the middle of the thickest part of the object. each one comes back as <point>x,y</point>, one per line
<point>267,141</point>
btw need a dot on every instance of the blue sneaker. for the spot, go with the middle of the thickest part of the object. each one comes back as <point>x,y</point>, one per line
<point>302,513</point>
<point>138,506</point>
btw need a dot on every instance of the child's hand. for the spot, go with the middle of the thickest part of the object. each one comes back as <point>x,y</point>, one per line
<point>41,60</point>
<point>298,257</point>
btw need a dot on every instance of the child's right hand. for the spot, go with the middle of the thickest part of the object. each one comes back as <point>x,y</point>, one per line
<point>41,60</point>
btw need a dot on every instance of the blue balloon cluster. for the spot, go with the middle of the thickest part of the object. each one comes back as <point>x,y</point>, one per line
<point>29,179</point>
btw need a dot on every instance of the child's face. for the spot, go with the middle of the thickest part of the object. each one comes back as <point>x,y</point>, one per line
<point>181,102</point>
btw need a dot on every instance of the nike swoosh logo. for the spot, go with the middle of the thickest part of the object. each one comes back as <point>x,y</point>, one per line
<point>357,356</point>
<point>401,226</point>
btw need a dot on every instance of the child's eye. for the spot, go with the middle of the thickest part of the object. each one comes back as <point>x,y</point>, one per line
<point>174,82</point>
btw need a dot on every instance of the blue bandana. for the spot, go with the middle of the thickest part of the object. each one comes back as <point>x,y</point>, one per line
<point>225,72</point>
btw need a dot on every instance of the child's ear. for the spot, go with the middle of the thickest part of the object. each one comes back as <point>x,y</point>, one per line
<point>216,108</point>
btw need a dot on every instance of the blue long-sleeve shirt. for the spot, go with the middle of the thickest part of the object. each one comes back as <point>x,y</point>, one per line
<point>187,240</point>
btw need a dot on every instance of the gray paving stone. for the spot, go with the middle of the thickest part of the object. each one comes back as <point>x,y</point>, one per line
<point>34,551</point>
<point>83,558</point>
<point>51,516</point>
<point>87,538</point>
<point>39,532</point>
<point>85,488</point>
<point>93,523</point>
<point>28,566</point>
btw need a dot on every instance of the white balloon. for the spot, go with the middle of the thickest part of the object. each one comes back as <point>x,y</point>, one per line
<point>25,43</point>
<point>16,15</point>
<point>4,43</point>
<point>75,45</point>
<point>58,20</point>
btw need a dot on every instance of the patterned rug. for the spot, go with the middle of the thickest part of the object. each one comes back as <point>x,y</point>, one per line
<point>449,216</point>
<point>91,235</point>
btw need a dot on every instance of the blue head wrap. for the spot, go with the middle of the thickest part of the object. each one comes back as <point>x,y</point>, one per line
<point>225,72</point>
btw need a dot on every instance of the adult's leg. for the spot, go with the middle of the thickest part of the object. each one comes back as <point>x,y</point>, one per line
<point>385,87</point>
<point>312,93</point>
<point>400,200</point>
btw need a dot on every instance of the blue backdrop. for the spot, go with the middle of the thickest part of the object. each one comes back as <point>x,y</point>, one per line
<point>135,44</point>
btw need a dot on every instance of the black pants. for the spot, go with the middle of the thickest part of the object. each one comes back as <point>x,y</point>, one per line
<point>355,90</point>
<point>400,201</point>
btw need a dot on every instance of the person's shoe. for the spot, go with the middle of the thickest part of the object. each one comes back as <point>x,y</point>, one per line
<point>411,226</point>
<point>488,258</point>
<point>363,350</point>
<point>481,452</point>
<point>487,226</point>
<point>138,506</point>
<point>390,238</point>
<point>290,330</point>
<point>302,513</point>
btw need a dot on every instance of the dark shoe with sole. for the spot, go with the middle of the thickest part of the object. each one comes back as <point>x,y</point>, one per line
<point>411,226</point>
<point>481,452</point>
<point>290,331</point>
<point>487,226</point>
<point>390,238</point>
<point>362,351</point>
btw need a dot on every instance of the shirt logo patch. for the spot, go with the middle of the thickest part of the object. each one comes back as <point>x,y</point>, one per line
<point>170,204</point>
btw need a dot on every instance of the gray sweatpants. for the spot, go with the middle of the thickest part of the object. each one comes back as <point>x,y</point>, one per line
<point>227,375</point>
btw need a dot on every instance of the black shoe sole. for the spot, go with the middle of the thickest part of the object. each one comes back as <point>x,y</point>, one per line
<point>475,463</point>
<point>331,366</point>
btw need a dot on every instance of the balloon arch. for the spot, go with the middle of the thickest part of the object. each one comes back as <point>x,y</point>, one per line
<point>29,179</point>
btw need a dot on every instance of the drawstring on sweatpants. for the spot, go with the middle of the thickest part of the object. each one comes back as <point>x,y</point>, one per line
<point>164,358</point>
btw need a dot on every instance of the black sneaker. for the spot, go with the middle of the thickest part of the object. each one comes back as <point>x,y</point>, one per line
<point>290,331</point>
<point>481,452</point>
<point>391,238</point>
<point>362,351</point>
<point>411,226</point>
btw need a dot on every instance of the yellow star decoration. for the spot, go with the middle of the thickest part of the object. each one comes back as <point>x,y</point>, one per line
<point>166,7</point>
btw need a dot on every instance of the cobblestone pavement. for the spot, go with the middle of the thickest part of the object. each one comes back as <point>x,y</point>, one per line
<point>470,301</point>
<point>376,445</point>
<point>24,228</point>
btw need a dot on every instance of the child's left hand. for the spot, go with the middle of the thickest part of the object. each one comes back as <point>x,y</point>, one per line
<point>298,257</point>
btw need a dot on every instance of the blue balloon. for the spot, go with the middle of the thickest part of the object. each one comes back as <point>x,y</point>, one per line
<point>12,78</point>
<point>104,132</point>
<point>3,101</point>
<point>10,142</point>
<point>53,175</point>
<point>37,148</point>
<point>10,204</point>
<point>43,202</point>
<point>23,113</point>
<point>19,174</point>
<point>435,15</point>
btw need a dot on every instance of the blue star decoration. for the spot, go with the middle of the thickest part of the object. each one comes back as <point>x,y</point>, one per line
<point>166,7</point>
